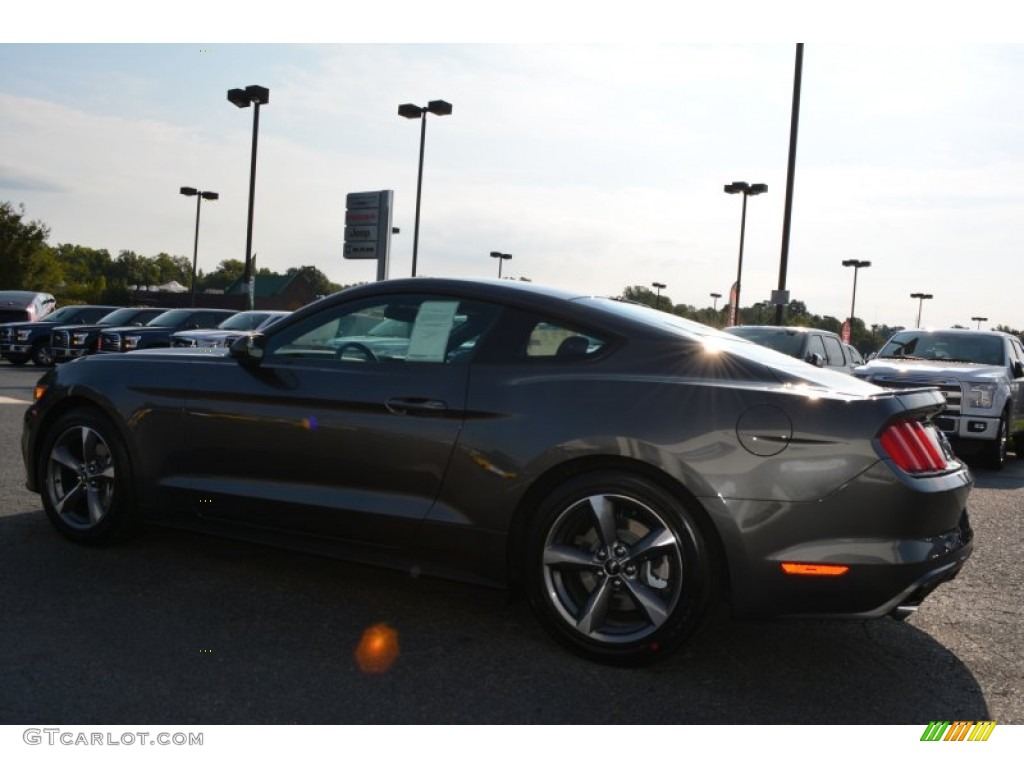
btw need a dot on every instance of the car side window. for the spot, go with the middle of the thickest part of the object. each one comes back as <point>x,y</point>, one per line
<point>398,329</point>
<point>834,352</point>
<point>554,340</point>
<point>525,336</point>
<point>815,346</point>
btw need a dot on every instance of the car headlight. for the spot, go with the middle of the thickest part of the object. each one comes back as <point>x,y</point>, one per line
<point>78,339</point>
<point>131,342</point>
<point>22,335</point>
<point>981,395</point>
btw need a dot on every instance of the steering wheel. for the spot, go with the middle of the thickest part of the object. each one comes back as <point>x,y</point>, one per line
<point>362,349</point>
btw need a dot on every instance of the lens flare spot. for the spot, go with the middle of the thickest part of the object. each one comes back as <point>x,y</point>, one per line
<point>377,650</point>
<point>309,423</point>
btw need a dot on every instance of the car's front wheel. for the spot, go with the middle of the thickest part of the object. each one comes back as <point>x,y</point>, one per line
<point>617,568</point>
<point>42,356</point>
<point>85,478</point>
<point>994,454</point>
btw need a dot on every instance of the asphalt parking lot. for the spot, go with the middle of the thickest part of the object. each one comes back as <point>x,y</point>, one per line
<point>177,628</point>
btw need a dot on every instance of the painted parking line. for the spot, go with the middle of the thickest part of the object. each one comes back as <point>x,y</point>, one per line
<point>13,401</point>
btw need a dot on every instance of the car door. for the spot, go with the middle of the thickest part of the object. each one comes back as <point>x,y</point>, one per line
<point>338,432</point>
<point>835,357</point>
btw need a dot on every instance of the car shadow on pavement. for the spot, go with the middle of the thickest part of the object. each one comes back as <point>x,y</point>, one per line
<point>180,628</point>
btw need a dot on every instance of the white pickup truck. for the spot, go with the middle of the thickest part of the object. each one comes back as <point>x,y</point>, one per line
<point>981,375</point>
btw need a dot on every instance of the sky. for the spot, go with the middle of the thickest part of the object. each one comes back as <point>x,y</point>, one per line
<point>593,149</point>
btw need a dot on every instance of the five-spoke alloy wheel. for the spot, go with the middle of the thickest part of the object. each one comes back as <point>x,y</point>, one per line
<point>85,478</point>
<point>618,568</point>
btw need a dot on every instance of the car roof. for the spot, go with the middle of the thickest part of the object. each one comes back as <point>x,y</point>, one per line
<point>785,328</point>
<point>614,315</point>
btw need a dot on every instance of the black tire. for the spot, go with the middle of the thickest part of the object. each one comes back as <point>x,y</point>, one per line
<point>17,359</point>
<point>617,568</point>
<point>42,356</point>
<point>85,479</point>
<point>994,454</point>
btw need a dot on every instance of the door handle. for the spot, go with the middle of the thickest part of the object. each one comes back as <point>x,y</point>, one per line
<point>416,406</point>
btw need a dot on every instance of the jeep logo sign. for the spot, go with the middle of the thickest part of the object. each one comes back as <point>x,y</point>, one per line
<point>368,228</point>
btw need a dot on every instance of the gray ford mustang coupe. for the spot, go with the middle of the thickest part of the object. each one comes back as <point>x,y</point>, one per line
<point>625,468</point>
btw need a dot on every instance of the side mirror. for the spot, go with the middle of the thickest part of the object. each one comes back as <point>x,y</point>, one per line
<point>1018,369</point>
<point>815,359</point>
<point>248,350</point>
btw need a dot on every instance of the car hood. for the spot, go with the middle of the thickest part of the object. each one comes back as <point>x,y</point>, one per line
<point>137,328</point>
<point>213,333</point>
<point>928,368</point>
<point>27,324</point>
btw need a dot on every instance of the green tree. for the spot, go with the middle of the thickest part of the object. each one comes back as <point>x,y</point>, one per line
<point>320,282</point>
<point>170,268</point>
<point>26,261</point>
<point>227,272</point>
<point>85,273</point>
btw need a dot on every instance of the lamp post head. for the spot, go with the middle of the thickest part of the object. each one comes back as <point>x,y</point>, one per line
<point>921,296</point>
<point>716,295</point>
<point>251,94</point>
<point>659,286</point>
<point>411,111</point>
<point>209,195</point>
<point>189,191</point>
<point>747,189</point>
<point>856,263</point>
<point>439,107</point>
<point>500,255</point>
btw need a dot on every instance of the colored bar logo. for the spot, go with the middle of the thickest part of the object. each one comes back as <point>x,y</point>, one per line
<point>959,730</point>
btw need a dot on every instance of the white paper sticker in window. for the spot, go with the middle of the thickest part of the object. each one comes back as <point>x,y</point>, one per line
<point>429,340</point>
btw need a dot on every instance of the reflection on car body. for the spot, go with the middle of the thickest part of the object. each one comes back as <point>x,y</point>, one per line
<point>627,469</point>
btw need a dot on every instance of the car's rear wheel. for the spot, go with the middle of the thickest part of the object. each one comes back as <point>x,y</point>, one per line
<point>617,568</point>
<point>994,454</point>
<point>85,478</point>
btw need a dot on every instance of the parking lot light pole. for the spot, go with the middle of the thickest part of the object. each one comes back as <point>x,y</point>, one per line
<point>980,320</point>
<point>920,303</point>
<point>857,265</point>
<point>657,296</point>
<point>199,196</point>
<point>437,107</point>
<point>242,98</point>
<point>501,257</point>
<point>742,187</point>
<point>715,297</point>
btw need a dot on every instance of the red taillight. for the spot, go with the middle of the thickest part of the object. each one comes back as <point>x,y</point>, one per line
<point>913,446</point>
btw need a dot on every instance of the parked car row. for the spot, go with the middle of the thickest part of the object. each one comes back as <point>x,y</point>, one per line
<point>75,331</point>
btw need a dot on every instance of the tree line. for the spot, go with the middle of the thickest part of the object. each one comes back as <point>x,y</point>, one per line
<point>78,274</point>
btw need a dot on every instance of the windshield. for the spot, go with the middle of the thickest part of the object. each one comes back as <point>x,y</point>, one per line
<point>123,316</point>
<point>243,321</point>
<point>170,318</point>
<point>786,341</point>
<point>62,314</point>
<point>950,347</point>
